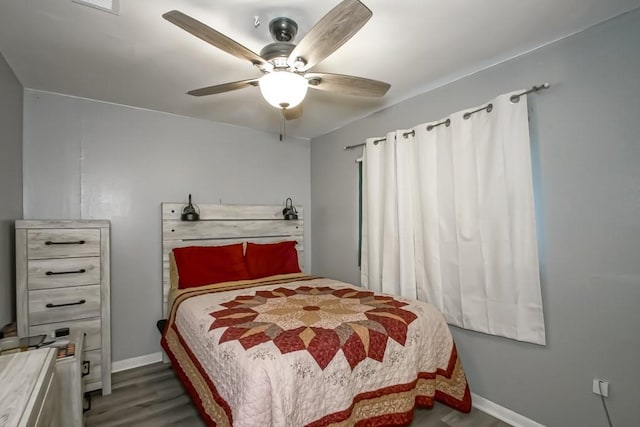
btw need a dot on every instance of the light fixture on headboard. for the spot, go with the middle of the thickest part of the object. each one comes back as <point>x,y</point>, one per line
<point>190,212</point>
<point>289,211</point>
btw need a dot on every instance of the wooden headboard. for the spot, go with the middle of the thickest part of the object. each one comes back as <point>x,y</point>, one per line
<point>224,225</point>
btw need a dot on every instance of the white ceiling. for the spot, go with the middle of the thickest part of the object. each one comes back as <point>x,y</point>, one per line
<point>137,58</point>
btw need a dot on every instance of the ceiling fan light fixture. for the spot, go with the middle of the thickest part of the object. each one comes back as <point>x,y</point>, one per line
<point>285,65</point>
<point>283,89</point>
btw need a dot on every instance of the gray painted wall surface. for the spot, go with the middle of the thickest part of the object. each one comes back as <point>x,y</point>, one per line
<point>10,184</point>
<point>87,159</point>
<point>586,153</point>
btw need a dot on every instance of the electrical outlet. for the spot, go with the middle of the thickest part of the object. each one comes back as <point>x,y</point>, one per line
<point>601,387</point>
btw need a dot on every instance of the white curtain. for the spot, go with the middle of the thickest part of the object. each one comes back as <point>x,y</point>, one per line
<point>448,218</point>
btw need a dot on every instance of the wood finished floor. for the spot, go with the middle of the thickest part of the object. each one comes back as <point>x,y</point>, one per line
<point>153,396</point>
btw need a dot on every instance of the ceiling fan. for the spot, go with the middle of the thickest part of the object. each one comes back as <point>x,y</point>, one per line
<point>285,65</point>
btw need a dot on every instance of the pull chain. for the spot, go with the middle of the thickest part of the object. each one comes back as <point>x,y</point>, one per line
<point>283,128</point>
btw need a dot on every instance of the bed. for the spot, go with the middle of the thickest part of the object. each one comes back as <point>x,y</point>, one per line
<point>274,346</point>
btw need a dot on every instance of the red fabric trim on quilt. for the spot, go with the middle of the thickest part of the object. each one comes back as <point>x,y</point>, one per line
<point>463,405</point>
<point>190,388</point>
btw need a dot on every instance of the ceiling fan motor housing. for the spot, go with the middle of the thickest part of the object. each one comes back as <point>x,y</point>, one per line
<point>277,50</point>
<point>283,29</point>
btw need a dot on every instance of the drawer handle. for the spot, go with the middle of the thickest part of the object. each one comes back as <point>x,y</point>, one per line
<point>53,273</point>
<point>87,397</point>
<point>66,304</point>
<point>77,242</point>
<point>86,368</point>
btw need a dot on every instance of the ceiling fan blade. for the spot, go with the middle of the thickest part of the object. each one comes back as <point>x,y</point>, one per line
<point>332,31</point>
<point>226,87</point>
<point>349,85</point>
<point>292,113</point>
<point>213,37</point>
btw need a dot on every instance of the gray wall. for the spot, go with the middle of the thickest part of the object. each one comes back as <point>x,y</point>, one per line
<point>586,154</point>
<point>88,159</point>
<point>10,184</point>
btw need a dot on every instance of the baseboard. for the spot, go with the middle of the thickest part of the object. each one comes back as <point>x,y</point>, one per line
<point>135,362</point>
<point>502,413</point>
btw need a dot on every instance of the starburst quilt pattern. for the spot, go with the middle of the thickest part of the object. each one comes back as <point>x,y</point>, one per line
<point>319,320</point>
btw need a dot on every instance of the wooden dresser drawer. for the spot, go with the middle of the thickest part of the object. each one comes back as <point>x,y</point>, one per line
<point>91,327</point>
<point>63,243</point>
<point>58,305</point>
<point>58,273</point>
<point>95,372</point>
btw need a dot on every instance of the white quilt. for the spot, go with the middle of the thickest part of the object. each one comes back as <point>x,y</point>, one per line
<point>315,352</point>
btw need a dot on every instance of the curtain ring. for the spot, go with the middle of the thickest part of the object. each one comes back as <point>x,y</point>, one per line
<point>406,134</point>
<point>447,123</point>
<point>468,114</point>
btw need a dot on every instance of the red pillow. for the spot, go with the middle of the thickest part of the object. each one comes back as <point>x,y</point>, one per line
<point>271,259</point>
<point>206,265</point>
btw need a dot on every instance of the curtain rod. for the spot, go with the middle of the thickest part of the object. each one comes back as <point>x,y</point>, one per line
<point>514,99</point>
<point>535,89</point>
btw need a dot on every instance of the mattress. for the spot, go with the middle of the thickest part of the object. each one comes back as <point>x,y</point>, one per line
<point>298,350</point>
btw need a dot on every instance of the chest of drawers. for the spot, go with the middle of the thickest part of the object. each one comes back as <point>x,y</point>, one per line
<point>62,270</point>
